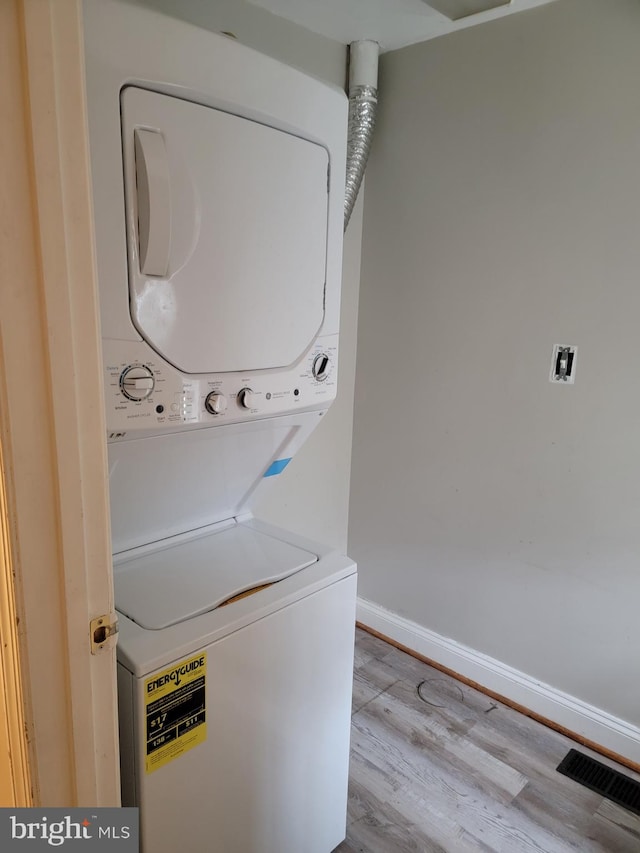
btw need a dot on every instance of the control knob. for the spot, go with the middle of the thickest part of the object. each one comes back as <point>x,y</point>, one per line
<point>137,382</point>
<point>215,403</point>
<point>320,367</point>
<point>245,398</point>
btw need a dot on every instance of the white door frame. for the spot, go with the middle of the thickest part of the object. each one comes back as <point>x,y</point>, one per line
<point>52,424</point>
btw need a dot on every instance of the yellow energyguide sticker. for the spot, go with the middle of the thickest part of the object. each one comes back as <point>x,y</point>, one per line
<point>175,711</point>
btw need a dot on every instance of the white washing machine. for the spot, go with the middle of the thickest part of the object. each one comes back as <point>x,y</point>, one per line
<point>218,178</point>
<point>234,720</point>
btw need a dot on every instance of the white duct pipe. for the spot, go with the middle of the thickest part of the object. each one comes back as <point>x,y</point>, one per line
<point>363,103</point>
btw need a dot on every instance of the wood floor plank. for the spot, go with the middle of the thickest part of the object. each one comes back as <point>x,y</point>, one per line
<point>382,827</point>
<point>371,678</point>
<point>382,835</point>
<point>399,807</point>
<point>371,646</point>
<point>446,769</point>
<point>579,829</point>
<point>430,732</point>
<point>439,797</point>
<point>621,818</point>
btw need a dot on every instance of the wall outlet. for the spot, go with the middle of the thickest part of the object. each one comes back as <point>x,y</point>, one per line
<point>563,364</point>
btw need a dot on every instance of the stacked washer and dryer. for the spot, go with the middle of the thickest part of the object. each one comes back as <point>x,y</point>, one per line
<point>218,178</point>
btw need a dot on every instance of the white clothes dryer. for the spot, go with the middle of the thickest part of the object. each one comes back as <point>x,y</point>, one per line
<point>218,179</point>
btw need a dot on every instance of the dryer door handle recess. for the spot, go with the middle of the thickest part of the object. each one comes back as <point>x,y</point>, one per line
<point>154,202</point>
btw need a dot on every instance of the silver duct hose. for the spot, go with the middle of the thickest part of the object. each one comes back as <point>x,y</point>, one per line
<point>363,103</point>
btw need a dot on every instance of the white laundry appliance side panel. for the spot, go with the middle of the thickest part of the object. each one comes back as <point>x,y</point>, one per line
<point>126,721</point>
<point>272,775</point>
<point>127,45</point>
<point>238,215</point>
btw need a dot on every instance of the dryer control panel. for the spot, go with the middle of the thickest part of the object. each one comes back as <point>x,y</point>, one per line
<point>143,392</point>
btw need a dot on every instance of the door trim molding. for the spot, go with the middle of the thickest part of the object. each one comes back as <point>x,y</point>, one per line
<point>53,429</point>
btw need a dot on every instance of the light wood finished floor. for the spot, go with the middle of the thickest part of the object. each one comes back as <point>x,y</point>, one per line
<point>453,771</point>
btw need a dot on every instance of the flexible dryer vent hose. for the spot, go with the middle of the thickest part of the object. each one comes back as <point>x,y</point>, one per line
<point>363,103</point>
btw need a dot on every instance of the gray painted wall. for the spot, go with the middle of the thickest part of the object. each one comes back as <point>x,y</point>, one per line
<point>502,216</point>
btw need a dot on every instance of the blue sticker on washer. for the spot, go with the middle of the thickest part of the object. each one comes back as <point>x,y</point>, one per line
<point>277,467</point>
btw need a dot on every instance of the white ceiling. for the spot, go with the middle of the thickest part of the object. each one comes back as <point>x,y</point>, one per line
<point>392,23</point>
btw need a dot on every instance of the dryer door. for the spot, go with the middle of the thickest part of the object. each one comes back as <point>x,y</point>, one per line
<point>227,234</point>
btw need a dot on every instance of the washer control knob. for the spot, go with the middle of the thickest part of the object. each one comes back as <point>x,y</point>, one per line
<point>137,382</point>
<point>320,367</point>
<point>245,398</point>
<point>215,403</point>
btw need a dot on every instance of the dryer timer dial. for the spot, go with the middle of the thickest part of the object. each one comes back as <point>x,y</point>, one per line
<point>215,403</point>
<point>137,382</point>
<point>320,367</point>
<point>245,398</point>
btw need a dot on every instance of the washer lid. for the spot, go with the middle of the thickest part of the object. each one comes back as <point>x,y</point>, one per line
<point>180,581</point>
<point>226,234</point>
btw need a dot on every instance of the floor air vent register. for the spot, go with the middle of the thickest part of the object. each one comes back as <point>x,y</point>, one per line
<point>612,784</point>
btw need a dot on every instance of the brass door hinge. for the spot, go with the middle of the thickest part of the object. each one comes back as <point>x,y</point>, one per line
<point>104,633</point>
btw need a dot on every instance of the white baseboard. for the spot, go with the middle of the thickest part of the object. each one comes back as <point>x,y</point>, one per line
<point>573,714</point>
